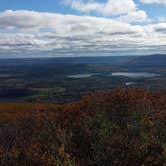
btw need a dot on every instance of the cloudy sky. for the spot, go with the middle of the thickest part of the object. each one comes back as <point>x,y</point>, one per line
<point>33,28</point>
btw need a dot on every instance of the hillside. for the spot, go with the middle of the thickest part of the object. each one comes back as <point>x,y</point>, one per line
<point>113,60</point>
<point>156,60</point>
<point>151,60</point>
<point>121,127</point>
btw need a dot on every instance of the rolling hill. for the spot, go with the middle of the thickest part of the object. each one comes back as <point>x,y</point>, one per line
<point>150,60</point>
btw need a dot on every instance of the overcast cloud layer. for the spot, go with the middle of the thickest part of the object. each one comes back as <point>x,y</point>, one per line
<point>122,29</point>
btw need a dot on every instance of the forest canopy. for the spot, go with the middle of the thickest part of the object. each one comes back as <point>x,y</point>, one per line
<point>120,127</point>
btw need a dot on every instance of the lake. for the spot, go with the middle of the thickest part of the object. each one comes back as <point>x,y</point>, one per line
<point>129,83</point>
<point>133,75</point>
<point>125,74</point>
<point>82,75</point>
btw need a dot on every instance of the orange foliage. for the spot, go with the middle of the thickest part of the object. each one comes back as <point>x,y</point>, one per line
<point>121,127</point>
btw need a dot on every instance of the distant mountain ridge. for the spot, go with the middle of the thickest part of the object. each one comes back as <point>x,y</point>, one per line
<point>149,60</point>
<point>144,60</point>
<point>112,60</point>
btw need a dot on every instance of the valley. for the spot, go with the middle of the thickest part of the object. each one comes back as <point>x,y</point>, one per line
<point>61,80</point>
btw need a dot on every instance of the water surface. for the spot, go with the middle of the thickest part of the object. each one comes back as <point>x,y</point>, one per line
<point>133,75</point>
<point>129,83</point>
<point>82,75</point>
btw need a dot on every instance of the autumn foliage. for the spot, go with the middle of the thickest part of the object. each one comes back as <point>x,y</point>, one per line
<point>121,128</point>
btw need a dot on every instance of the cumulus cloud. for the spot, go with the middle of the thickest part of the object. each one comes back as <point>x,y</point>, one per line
<point>111,7</point>
<point>52,33</point>
<point>124,10</point>
<point>135,16</point>
<point>154,1</point>
<point>62,24</point>
<point>26,19</point>
<point>160,28</point>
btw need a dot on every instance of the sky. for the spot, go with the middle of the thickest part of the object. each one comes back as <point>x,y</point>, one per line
<point>57,28</point>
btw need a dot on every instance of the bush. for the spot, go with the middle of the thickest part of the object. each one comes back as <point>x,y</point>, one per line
<point>124,127</point>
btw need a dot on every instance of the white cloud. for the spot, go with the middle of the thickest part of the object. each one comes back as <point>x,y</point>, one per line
<point>154,1</point>
<point>125,10</point>
<point>136,16</point>
<point>51,32</point>
<point>117,7</point>
<point>62,24</point>
<point>161,27</point>
<point>84,7</point>
<point>26,20</point>
<point>111,7</point>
